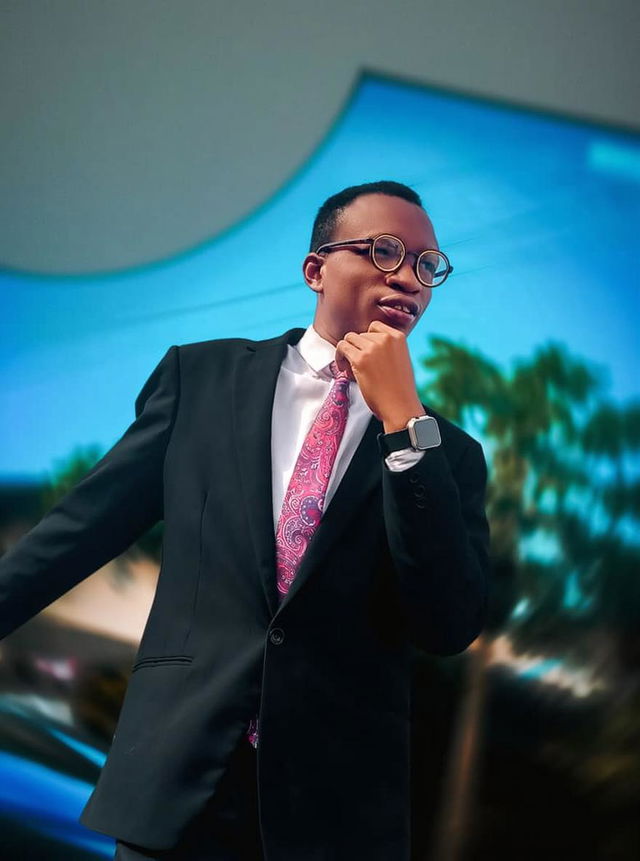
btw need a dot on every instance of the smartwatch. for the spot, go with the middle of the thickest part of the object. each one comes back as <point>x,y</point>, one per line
<point>420,434</point>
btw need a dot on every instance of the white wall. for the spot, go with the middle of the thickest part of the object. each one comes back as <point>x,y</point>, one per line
<point>134,129</point>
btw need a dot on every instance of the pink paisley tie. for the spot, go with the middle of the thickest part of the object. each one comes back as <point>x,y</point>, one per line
<point>304,500</point>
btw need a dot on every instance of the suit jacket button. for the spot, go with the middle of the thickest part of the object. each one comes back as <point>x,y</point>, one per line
<point>276,636</point>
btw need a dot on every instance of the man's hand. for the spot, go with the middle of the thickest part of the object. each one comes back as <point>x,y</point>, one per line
<point>378,360</point>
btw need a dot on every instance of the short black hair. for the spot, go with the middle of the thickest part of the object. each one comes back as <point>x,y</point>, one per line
<point>331,210</point>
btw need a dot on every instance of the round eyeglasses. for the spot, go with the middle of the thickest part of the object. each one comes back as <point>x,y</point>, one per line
<point>387,253</point>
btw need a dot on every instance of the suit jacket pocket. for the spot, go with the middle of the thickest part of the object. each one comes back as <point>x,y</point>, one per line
<point>161,660</point>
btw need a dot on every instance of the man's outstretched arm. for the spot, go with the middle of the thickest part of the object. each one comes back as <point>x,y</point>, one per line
<point>115,503</point>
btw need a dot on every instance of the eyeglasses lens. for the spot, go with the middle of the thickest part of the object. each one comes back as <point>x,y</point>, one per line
<point>433,268</point>
<point>387,253</point>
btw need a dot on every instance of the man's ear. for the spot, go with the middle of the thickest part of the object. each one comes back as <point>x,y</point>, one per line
<point>312,271</point>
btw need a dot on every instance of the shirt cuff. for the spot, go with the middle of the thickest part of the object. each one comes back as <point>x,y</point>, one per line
<point>403,459</point>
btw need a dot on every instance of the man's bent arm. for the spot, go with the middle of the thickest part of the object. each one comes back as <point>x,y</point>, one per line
<point>115,503</point>
<point>439,541</point>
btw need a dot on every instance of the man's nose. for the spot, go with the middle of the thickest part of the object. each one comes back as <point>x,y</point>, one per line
<point>404,278</point>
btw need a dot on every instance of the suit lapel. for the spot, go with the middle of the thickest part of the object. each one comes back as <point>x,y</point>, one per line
<point>362,475</point>
<point>256,375</point>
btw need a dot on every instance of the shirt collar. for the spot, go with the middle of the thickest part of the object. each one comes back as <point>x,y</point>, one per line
<point>316,352</point>
<point>318,355</point>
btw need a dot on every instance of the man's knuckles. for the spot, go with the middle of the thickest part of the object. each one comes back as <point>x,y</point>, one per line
<point>384,328</point>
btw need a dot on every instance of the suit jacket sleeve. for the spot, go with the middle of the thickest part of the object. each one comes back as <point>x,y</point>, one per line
<point>120,498</point>
<point>439,542</point>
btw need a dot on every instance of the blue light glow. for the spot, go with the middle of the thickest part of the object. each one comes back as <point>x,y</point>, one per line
<point>540,217</point>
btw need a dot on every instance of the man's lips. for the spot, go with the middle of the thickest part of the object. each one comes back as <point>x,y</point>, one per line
<point>396,317</point>
<point>399,310</point>
<point>403,303</point>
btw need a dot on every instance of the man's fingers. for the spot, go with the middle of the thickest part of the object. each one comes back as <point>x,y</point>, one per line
<point>378,327</point>
<point>342,360</point>
<point>358,340</point>
<point>364,339</point>
<point>345,353</point>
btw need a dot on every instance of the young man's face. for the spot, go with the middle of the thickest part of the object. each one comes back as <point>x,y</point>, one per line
<point>351,291</point>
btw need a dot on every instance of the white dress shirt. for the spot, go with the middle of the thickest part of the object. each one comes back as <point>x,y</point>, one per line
<point>303,383</point>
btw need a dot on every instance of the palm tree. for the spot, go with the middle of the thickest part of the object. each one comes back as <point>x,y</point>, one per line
<point>560,460</point>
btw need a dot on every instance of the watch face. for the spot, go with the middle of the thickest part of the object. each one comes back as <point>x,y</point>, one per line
<point>427,433</point>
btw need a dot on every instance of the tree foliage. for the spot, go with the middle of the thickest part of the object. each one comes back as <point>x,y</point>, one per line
<point>564,492</point>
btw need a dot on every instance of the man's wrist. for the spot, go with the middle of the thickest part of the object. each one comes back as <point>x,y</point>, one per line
<point>398,421</point>
<point>422,432</point>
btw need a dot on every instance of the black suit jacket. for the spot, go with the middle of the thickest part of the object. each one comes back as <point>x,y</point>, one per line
<point>399,561</point>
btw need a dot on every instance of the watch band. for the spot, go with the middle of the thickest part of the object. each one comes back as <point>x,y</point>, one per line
<point>421,433</point>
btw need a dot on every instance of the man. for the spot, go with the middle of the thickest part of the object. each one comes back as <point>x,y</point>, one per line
<point>320,524</point>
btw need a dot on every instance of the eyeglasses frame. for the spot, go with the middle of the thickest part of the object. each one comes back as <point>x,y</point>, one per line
<point>370,241</point>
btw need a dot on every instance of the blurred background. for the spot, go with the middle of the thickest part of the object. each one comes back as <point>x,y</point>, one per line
<point>161,164</point>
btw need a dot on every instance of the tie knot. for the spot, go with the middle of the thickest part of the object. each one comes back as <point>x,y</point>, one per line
<point>336,373</point>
